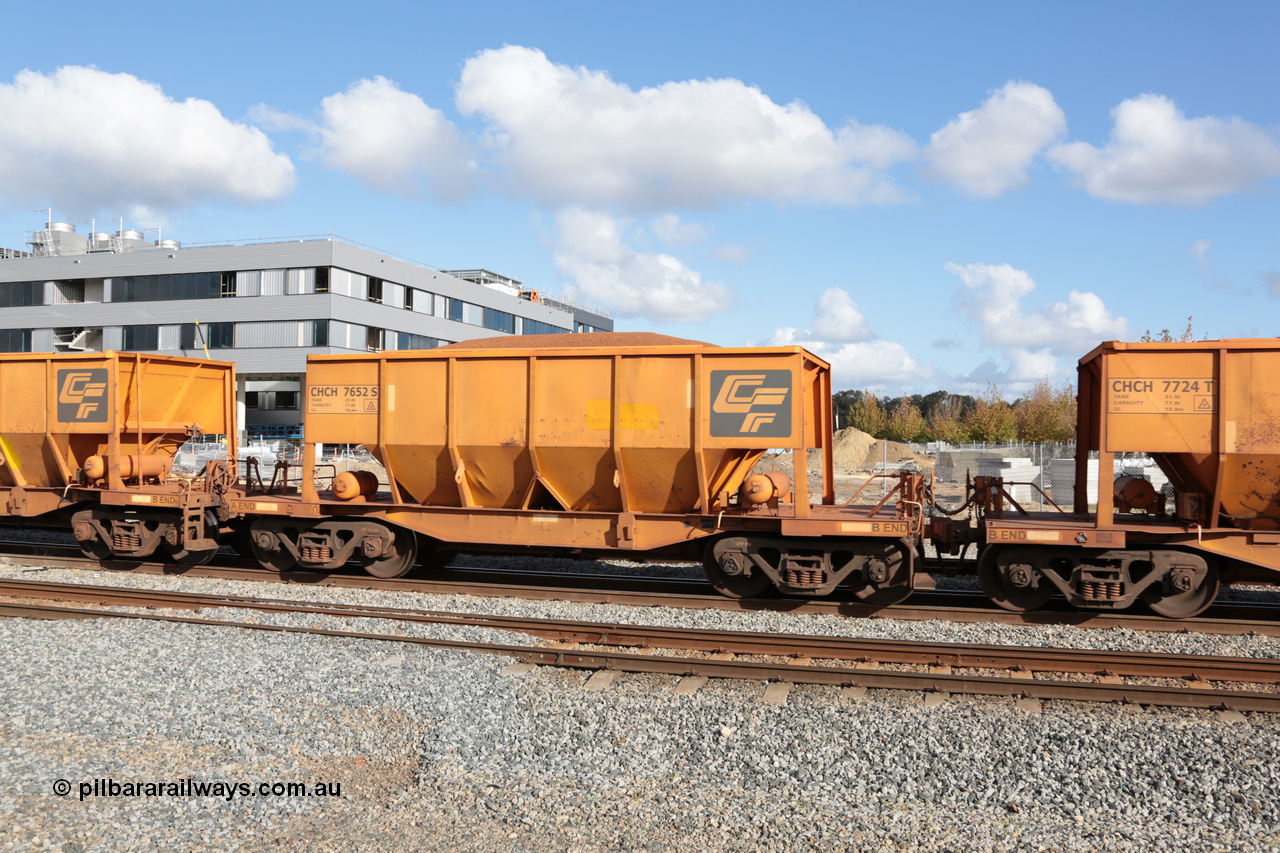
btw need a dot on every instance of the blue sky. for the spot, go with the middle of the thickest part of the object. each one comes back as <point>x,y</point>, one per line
<point>928,195</point>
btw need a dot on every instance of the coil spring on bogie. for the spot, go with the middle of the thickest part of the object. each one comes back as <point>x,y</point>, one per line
<point>121,542</point>
<point>1102,590</point>
<point>312,554</point>
<point>804,577</point>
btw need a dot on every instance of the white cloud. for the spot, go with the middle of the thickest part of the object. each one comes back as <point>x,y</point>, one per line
<point>669,229</point>
<point>1200,250</point>
<point>574,136</point>
<point>1271,279</point>
<point>732,253</point>
<point>83,140</point>
<point>1032,342</point>
<point>987,151</point>
<point>836,318</point>
<point>858,364</point>
<point>392,141</point>
<point>863,364</point>
<point>603,269</point>
<point>1158,156</point>
<point>841,335</point>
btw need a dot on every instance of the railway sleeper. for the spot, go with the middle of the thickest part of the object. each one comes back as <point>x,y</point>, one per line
<point>878,570</point>
<point>1171,581</point>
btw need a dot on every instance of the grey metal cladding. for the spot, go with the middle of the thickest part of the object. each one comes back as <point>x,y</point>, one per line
<point>280,333</point>
<point>310,253</point>
<point>262,261</point>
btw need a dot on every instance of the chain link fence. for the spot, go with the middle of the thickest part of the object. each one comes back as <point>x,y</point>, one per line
<point>1037,476</point>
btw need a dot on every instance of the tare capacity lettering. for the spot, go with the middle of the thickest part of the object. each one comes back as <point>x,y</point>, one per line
<point>342,399</point>
<point>1162,386</point>
<point>1162,395</point>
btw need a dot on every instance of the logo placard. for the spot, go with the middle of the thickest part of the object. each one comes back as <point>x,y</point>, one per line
<point>751,403</point>
<point>82,396</point>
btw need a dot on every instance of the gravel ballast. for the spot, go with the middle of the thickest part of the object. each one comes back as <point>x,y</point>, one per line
<point>440,750</point>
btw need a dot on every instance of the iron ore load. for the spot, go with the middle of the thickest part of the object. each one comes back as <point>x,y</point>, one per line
<point>651,447</point>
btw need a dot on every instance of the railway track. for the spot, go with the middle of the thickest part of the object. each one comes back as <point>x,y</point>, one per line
<point>1022,668</point>
<point>1226,618</point>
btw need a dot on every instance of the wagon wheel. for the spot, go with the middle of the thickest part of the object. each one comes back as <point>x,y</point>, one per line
<point>1014,586</point>
<point>96,549</point>
<point>91,544</point>
<point>192,558</point>
<point>894,563</point>
<point>277,559</point>
<point>397,561</point>
<point>1187,603</point>
<point>736,585</point>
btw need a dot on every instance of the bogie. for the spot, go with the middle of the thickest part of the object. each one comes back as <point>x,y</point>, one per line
<point>878,571</point>
<point>1173,582</point>
<point>382,550</point>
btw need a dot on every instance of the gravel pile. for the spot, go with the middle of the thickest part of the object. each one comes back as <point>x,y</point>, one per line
<point>440,750</point>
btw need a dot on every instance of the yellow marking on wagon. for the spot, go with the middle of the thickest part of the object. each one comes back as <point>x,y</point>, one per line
<point>999,535</point>
<point>895,528</point>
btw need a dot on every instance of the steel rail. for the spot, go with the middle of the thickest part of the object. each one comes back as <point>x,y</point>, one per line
<point>1244,623</point>
<point>789,673</point>
<point>964,655</point>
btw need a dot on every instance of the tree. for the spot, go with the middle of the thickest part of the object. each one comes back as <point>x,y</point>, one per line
<point>842,403</point>
<point>1046,414</point>
<point>991,418</point>
<point>868,415</point>
<point>1166,337</point>
<point>945,419</point>
<point>904,423</point>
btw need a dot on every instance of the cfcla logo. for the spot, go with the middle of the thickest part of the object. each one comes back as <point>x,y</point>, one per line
<point>751,403</point>
<point>82,395</point>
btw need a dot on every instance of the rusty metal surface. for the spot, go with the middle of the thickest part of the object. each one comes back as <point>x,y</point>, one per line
<point>610,428</point>
<point>1194,697</point>
<point>105,412</point>
<point>1206,412</point>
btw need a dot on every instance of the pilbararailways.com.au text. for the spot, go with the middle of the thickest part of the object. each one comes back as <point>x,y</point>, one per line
<point>196,788</point>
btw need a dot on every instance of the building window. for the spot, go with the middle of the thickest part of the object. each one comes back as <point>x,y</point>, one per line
<point>15,294</point>
<point>499,321</point>
<point>375,290</point>
<point>154,288</point>
<point>322,279</point>
<point>286,399</point>
<point>373,339</point>
<point>319,333</point>
<point>222,335</point>
<point>208,335</point>
<point>15,340</point>
<point>536,327</point>
<point>453,308</point>
<point>251,399</point>
<point>228,284</point>
<point>406,340</point>
<point>140,338</point>
<point>408,298</point>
